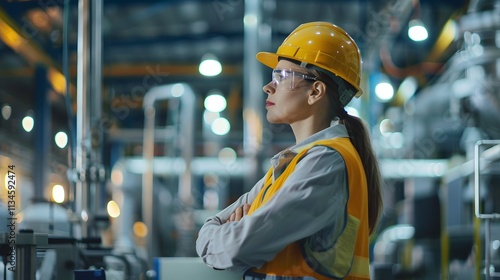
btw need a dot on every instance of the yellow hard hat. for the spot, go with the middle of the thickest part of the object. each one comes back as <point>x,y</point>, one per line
<point>323,45</point>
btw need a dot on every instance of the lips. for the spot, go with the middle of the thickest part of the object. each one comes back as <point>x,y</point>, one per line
<point>269,103</point>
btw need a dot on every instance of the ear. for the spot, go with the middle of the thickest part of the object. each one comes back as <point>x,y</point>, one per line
<point>317,92</point>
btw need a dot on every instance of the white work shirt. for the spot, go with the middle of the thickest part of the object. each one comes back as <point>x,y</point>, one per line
<point>312,204</point>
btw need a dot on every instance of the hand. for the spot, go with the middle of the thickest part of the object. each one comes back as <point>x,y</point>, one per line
<point>239,213</point>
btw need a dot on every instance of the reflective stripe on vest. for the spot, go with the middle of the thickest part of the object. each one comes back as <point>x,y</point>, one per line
<point>348,257</point>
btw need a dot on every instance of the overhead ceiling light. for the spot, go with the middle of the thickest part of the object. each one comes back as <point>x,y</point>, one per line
<point>220,126</point>
<point>58,195</point>
<point>382,86</point>
<point>61,139</point>
<point>210,66</point>
<point>227,155</point>
<point>140,229</point>
<point>215,102</point>
<point>113,209</point>
<point>384,91</point>
<point>28,122</point>
<point>6,112</point>
<point>417,31</point>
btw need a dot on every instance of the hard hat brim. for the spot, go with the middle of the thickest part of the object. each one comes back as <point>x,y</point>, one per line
<point>268,59</point>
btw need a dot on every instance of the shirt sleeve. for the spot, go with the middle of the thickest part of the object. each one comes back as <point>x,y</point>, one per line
<point>312,198</point>
<point>207,231</point>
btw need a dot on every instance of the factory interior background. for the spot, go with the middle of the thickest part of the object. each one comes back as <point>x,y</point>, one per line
<point>124,124</point>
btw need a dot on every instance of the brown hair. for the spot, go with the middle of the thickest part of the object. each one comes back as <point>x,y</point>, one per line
<point>360,138</point>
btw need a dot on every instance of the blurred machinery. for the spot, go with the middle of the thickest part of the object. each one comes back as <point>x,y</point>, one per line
<point>46,240</point>
<point>62,242</point>
<point>443,230</point>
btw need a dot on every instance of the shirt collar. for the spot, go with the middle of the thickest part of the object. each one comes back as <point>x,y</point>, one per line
<point>334,131</point>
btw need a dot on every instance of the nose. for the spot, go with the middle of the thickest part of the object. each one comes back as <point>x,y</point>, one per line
<point>269,88</point>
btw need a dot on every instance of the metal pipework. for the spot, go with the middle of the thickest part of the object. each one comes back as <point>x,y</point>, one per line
<point>187,103</point>
<point>480,157</point>
<point>82,123</point>
<point>94,111</point>
<point>89,78</point>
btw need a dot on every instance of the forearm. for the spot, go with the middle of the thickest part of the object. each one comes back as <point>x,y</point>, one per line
<point>216,251</point>
<point>207,248</point>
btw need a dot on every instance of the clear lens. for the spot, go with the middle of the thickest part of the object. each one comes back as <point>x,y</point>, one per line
<point>280,77</point>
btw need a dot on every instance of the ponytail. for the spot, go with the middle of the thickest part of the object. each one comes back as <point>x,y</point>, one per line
<point>360,139</point>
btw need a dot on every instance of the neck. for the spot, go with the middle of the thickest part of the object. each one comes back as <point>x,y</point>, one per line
<point>307,127</point>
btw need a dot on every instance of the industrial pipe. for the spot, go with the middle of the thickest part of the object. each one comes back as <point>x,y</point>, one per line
<point>187,103</point>
<point>82,122</point>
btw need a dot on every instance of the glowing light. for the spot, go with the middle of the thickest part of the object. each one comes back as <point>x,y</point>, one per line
<point>220,126</point>
<point>250,20</point>
<point>140,229</point>
<point>210,66</point>
<point>61,139</point>
<point>7,179</point>
<point>386,127</point>
<point>113,209</point>
<point>28,123</point>
<point>227,155</point>
<point>495,244</point>
<point>117,176</point>
<point>417,31</point>
<point>84,215</point>
<point>215,103</point>
<point>58,194</point>
<point>6,112</point>
<point>384,91</point>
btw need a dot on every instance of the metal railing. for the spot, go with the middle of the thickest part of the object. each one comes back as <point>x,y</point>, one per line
<point>481,159</point>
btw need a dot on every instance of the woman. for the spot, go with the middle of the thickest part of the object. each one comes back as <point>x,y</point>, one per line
<point>310,217</point>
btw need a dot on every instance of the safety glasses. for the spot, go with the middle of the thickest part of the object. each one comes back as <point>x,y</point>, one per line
<point>286,78</point>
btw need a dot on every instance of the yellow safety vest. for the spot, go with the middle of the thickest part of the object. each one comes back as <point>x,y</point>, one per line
<point>336,262</point>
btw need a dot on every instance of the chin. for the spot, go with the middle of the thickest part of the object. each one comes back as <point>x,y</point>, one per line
<point>274,120</point>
